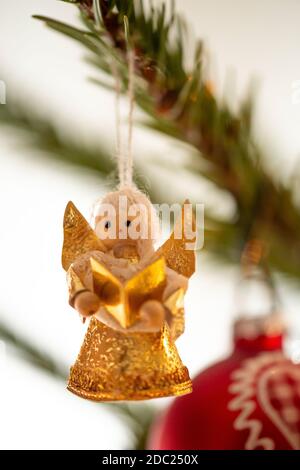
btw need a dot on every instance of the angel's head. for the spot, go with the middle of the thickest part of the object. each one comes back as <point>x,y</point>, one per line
<point>126,222</point>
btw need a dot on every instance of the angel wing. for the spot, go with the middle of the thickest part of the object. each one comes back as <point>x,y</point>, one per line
<point>179,252</point>
<point>79,237</point>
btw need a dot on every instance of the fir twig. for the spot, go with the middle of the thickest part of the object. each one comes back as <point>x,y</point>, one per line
<point>182,103</point>
<point>43,135</point>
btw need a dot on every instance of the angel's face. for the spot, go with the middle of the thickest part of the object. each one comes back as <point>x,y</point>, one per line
<point>125,223</point>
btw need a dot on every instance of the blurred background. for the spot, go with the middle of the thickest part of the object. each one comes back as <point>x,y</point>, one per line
<point>44,72</point>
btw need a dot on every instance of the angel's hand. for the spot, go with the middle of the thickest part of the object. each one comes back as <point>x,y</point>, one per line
<point>175,281</point>
<point>86,303</point>
<point>152,315</point>
<point>152,318</point>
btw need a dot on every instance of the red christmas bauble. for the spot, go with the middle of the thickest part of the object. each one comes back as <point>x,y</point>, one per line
<point>251,400</point>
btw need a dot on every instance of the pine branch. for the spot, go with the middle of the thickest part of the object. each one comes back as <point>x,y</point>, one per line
<point>44,136</point>
<point>32,355</point>
<point>182,104</point>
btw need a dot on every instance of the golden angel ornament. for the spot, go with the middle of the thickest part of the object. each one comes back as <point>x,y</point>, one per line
<point>132,297</point>
<point>131,294</point>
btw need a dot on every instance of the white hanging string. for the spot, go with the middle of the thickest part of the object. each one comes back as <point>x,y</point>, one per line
<point>118,144</point>
<point>124,153</point>
<point>128,156</point>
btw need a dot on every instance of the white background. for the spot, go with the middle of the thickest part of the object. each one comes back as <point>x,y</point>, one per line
<point>245,39</point>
